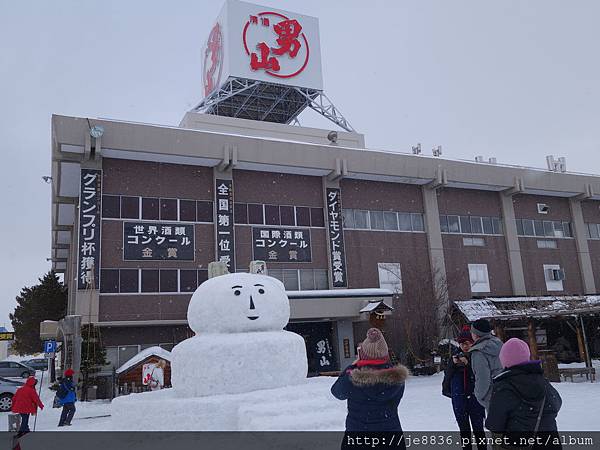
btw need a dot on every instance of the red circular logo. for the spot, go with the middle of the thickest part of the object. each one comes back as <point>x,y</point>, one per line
<point>281,49</point>
<point>213,60</point>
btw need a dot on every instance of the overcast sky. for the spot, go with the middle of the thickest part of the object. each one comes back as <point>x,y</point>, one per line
<point>513,79</point>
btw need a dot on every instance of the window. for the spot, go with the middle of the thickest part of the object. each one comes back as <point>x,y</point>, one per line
<point>453,224</point>
<point>126,352</point>
<point>390,277</point>
<point>465,224</point>
<point>168,280</point>
<point>202,276</point>
<point>240,213</point>
<point>558,229</point>
<point>128,280</point>
<point>417,222</point>
<point>130,207</point>
<point>204,211</point>
<point>487,225</point>
<point>528,229</point>
<point>348,217</point>
<point>444,224</point>
<point>150,280</point>
<point>188,280</point>
<point>390,220</point>
<point>377,220</point>
<point>187,210</point>
<point>567,229</point>
<point>272,215</point>
<point>150,208</point>
<point>302,216</point>
<point>316,217</point>
<point>109,280</point>
<point>287,215</point>
<point>112,357</point>
<point>593,231</point>
<point>473,242</point>
<point>520,231</point>
<point>361,219</point>
<point>255,214</point>
<point>168,209</point>
<point>111,206</point>
<point>404,222</point>
<point>478,276</point>
<point>554,277</point>
<point>546,244</point>
<point>496,225</point>
<point>301,279</point>
<point>476,227</point>
<point>548,229</point>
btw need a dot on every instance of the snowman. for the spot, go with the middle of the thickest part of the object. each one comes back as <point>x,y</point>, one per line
<point>240,344</point>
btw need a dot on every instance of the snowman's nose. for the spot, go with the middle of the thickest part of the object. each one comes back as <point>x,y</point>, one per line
<point>252,303</point>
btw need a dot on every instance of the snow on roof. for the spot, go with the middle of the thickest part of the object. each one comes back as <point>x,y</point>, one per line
<point>151,351</point>
<point>515,307</point>
<point>372,306</point>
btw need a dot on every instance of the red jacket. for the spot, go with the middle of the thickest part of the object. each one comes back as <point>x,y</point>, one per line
<point>26,399</point>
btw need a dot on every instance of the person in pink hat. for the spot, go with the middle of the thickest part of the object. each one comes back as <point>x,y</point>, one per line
<point>524,404</point>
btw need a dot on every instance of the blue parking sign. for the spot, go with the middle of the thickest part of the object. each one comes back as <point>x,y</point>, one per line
<point>49,346</point>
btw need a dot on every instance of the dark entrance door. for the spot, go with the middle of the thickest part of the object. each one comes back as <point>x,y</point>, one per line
<point>320,347</point>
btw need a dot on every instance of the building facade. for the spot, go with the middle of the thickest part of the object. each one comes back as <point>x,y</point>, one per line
<point>339,224</point>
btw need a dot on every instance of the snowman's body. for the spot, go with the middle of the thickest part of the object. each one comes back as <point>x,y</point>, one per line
<point>240,345</point>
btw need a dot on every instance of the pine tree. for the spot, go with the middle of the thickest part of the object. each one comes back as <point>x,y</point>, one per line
<point>93,355</point>
<point>44,301</point>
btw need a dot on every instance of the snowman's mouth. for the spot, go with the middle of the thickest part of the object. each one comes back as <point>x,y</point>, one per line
<point>252,317</point>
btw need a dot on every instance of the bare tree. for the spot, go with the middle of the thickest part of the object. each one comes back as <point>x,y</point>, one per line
<point>422,315</point>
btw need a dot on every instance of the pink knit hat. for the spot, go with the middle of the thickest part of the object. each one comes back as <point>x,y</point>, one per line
<point>514,352</point>
<point>374,346</point>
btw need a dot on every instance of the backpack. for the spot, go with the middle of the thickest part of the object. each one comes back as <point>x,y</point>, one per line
<point>62,391</point>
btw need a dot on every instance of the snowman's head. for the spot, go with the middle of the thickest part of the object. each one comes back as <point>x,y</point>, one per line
<point>239,302</point>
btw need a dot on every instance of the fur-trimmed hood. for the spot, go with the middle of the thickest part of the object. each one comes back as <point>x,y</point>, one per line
<point>369,375</point>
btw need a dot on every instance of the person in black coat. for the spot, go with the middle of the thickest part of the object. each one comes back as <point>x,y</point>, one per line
<point>524,404</point>
<point>373,388</point>
<point>459,384</point>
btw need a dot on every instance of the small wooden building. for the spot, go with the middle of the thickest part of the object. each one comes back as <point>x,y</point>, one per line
<point>566,328</point>
<point>130,375</point>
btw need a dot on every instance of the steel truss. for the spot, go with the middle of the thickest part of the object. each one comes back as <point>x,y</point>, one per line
<point>268,102</point>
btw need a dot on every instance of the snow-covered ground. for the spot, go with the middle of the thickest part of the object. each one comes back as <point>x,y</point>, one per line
<point>422,408</point>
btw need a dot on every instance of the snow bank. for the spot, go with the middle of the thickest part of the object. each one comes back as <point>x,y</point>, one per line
<point>212,364</point>
<point>160,352</point>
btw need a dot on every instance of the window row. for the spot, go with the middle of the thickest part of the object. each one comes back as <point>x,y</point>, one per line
<point>360,219</point>
<point>470,224</point>
<point>301,279</point>
<point>259,214</point>
<point>593,230</point>
<point>117,356</point>
<point>153,208</point>
<point>133,281</point>
<point>544,228</point>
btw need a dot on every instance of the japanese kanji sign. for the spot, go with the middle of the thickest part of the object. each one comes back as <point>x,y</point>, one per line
<point>157,240</point>
<point>90,198</point>
<point>271,45</point>
<point>281,244</point>
<point>225,234</point>
<point>335,233</point>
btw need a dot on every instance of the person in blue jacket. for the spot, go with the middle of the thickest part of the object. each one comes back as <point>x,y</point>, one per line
<point>67,397</point>
<point>459,384</point>
<point>373,388</point>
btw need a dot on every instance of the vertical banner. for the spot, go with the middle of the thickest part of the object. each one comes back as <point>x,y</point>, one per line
<point>90,198</point>
<point>335,234</point>
<point>224,220</point>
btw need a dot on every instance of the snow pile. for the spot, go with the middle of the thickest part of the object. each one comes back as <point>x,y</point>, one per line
<point>156,351</point>
<point>212,364</point>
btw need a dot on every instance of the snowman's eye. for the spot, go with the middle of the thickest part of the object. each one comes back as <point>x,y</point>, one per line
<point>261,291</point>
<point>237,292</point>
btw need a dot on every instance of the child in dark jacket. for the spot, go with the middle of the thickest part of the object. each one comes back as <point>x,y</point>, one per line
<point>67,397</point>
<point>373,388</point>
<point>524,404</point>
<point>459,384</point>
